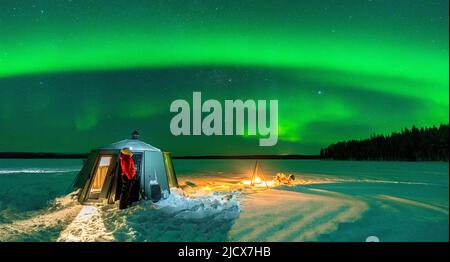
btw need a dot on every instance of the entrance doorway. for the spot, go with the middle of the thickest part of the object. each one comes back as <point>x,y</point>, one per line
<point>100,174</point>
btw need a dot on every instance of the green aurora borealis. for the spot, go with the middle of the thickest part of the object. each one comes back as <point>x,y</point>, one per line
<point>80,74</point>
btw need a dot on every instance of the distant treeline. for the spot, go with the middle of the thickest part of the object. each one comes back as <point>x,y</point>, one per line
<point>424,144</point>
<point>291,156</point>
<point>40,155</point>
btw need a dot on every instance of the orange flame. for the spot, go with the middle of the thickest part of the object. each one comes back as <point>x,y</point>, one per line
<point>257,181</point>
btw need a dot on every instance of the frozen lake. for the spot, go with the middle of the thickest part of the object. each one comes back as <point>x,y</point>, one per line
<point>330,201</point>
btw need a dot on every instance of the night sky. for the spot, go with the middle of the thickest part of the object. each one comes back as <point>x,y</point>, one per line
<point>76,75</point>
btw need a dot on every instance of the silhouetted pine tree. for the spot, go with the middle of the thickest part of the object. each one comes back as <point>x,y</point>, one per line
<point>424,144</point>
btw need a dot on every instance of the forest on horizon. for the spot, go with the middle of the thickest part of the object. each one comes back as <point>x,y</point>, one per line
<point>414,144</point>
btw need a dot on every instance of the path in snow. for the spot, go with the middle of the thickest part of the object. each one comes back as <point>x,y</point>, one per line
<point>88,226</point>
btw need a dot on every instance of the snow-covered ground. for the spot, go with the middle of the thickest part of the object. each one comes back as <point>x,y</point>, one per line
<point>329,201</point>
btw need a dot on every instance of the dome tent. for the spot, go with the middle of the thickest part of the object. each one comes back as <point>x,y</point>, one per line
<point>99,179</point>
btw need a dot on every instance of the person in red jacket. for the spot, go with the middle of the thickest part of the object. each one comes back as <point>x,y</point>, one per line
<point>128,172</point>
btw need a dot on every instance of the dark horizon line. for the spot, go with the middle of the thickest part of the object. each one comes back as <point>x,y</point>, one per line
<point>46,155</point>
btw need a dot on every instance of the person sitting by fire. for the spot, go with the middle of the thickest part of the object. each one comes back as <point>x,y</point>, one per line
<point>128,173</point>
<point>281,178</point>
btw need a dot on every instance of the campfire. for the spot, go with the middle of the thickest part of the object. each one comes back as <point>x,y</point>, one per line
<point>258,179</point>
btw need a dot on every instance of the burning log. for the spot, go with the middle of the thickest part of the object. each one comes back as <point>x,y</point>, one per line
<point>258,178</point>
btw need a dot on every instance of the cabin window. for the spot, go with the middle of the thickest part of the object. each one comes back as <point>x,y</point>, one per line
<point>99,177</point>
